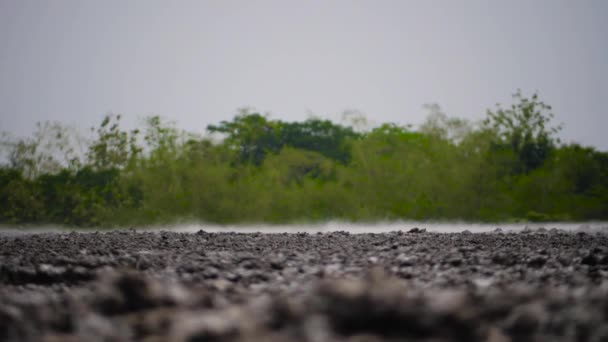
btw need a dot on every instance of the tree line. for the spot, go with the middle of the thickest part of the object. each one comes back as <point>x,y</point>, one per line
<point>511,166</point>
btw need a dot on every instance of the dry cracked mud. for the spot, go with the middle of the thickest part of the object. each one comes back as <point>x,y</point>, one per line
<point>543,285</point>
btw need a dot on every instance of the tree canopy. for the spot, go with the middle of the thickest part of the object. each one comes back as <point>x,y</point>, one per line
<point>511,166</point>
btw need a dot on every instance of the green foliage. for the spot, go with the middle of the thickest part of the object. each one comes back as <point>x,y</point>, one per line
<point>293,166</point>
<point>322,136</point>
<point>524,128</point>
<point>438,124</point>
<point>113,148</point>
<point>511,167</point>
<point>251,134</point>
<point>254,136</point>
<point>52,147</point>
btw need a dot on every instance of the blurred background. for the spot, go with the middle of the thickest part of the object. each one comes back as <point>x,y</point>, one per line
<point>139,112</point>
<point>197,62</point>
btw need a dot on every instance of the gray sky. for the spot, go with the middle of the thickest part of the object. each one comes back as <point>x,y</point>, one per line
<point>196,62</point>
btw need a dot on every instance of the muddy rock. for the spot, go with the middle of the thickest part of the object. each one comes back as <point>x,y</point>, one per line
<point>416,286</point>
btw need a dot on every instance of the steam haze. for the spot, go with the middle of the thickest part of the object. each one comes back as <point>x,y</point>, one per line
<point>196,62</point>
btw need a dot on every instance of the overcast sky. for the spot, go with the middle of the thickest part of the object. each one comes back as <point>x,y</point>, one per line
<point>197,62</point>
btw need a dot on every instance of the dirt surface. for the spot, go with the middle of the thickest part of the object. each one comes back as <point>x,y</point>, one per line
<point>542,285</point>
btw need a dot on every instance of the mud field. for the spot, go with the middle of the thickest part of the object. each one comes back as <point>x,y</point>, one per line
<point>541,285</point>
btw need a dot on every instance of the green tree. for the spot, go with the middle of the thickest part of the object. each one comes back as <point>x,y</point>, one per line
<point>113,148</point>
<point>322,136</point>
<point>525,129</point>
<point>52,148</point>
<point>250,134</point>
<point>438,124</point>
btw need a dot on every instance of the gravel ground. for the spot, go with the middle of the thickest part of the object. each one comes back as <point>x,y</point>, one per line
<point>540,285</point>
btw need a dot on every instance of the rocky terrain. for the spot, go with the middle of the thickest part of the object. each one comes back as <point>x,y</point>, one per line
<point>541,285</point>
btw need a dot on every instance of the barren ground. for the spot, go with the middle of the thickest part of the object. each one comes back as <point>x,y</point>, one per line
<point>541,285</point>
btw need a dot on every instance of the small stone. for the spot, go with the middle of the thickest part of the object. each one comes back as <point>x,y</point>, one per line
<point>564,261</point>
<point>590,260</point>
<point>277,262</point>
<point>405,260</point>
<point>455,261</point>
<point>232,276</point>
<point>416,230</point>
<point>210,273</point>
<point>537,261</point>
<point>500,258</point>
